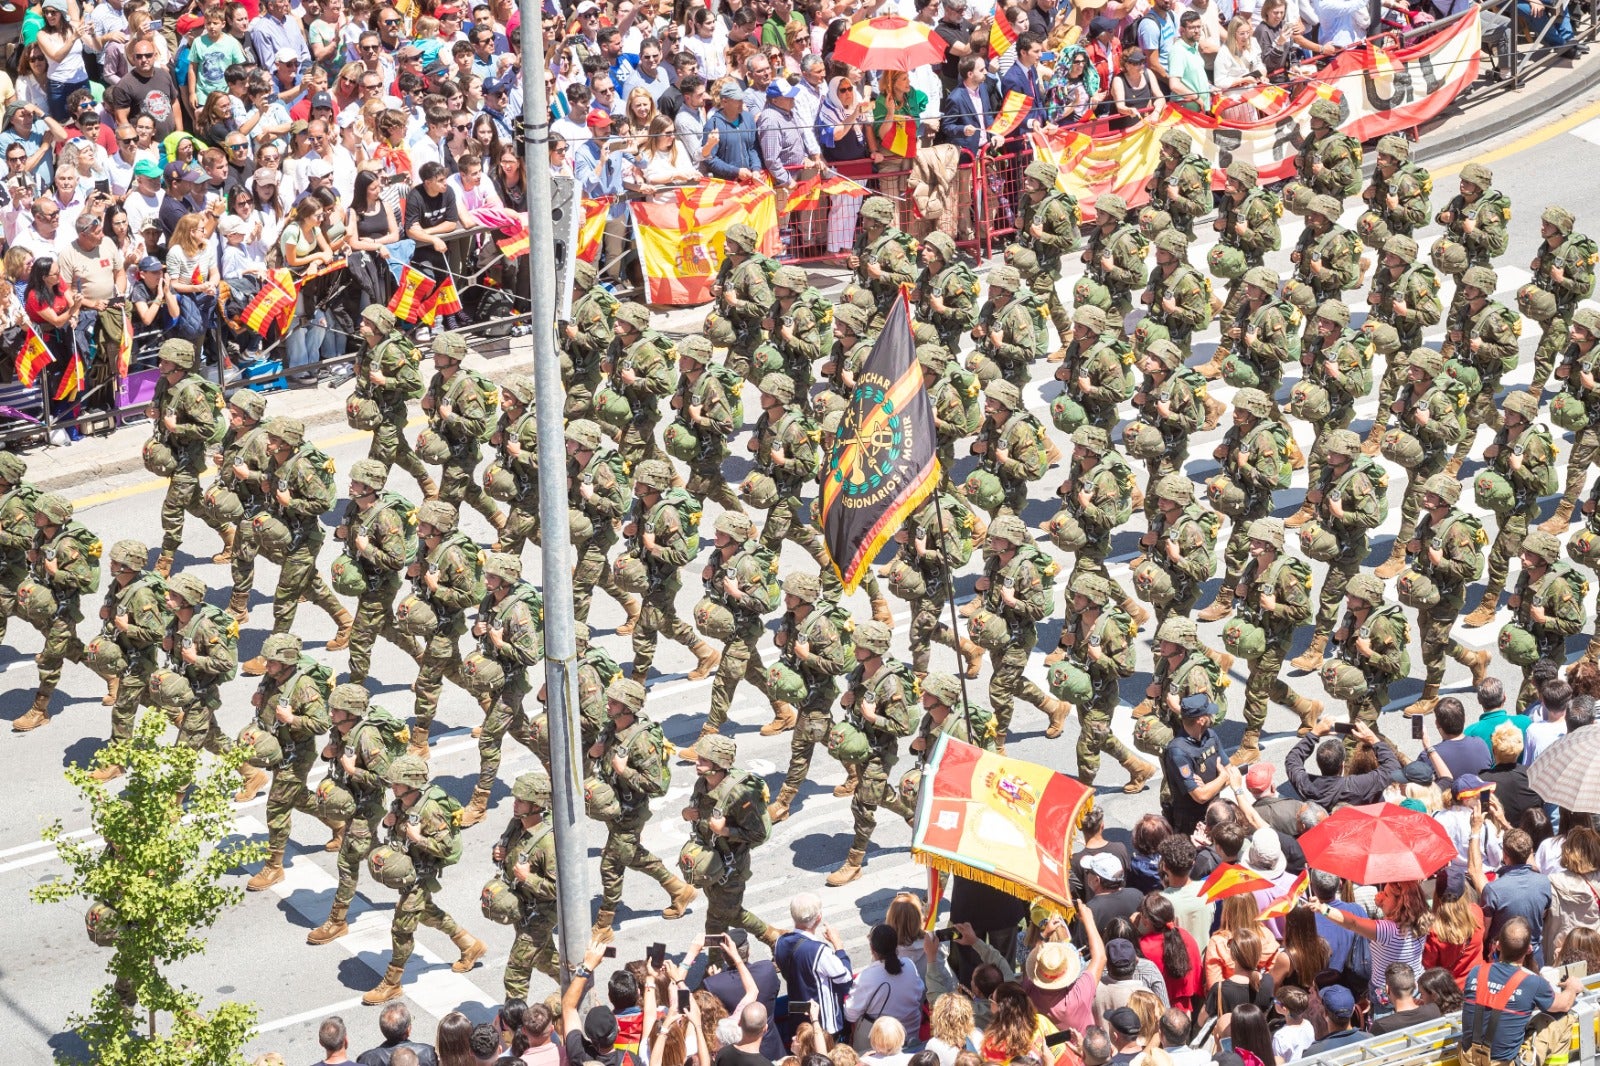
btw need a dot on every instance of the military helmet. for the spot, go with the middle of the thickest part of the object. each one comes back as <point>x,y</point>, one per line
<point>1175,487</point>
<point>1165,352</point>
<point>1481,278</point>
<point>1325,111</point>
<point>1542,544</point>
<point>1477,174</point>
<point>585,433</point>
<point>1010,529</point>
<point>742,237</point>
<point>532,787</point>
<point>1443,486</point>
<point>1093,438</point>
<point>833,420</point>
<point>370,473</point>
<point>56,509</point>
<point>924,333</point>
<point>130,553</point>
<point>1559,217</point>
<point>1043,173</point>
<point>179,353</point>
<point>440,514</point>
<point>1343,442</point>
<point>451,345</point>
<point>1585,318</point>
<point>13,468</point>
<point>942,244</point>
<point>250,403</point>
<point>803,586</point>
<point>1090,317</point>
<point>1263,278</point>
<point>934,358</point>
<point>1179,630</point>
<point>1173,242</point>
<point>503,565</point>
<point>1324,205</point>
<point>1334,311</point>
<point>1177,139</point>
<point>855,320</point>
<point>1153,220</point>
<point>1005,393</point>
<point>520,387</point>
<point>735,524</point>
<point>627,692</point>
<point>1111,205</point>
<point>779,386</point>
<point>874,636</point>
<point>634,314</point>
<point>391,867</point>
<point>378,317</point>
<point>290,430</point>
<point>1521,402</point>
<point>792,278</point>
<point>1253,402</point>
<point>717,750</point>
<point>1025,260</point>
<point>1092,587</point>
<point>1366,586</point>
<point>879,209</point>
<point>1395,147</point>
<point>946,688</point>
<point>188,588</point>
<point>696,349</point>
<point>1427,360</point>
<point>653,473</point>
<point>1268,531</point>
<point>407,771</point>
<point>349,698</point>
<point>585,274</point>
<point>282,648</point>
<point>1402,247</point>
<point>1005,278</point>
<point>1244,173</point>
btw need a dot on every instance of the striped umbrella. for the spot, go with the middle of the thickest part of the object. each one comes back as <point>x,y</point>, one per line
<point>889,43</point>
<point>1567,773</point>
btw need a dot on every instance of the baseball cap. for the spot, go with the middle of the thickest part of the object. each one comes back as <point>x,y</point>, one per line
<point>322,100</point>
<point>147,168</point>
<point>1470,785</point>
<point>174,172</point>
<point>1337,1000</point>
<point>783,89</point>
<point>599,118</point>
<point>730,91</point>
<point>499,85</point>
<point>1120,953</point>
<point>1104,865</point>
<point>408,51</point>
<point>1101,24</point>
<point>600,1028</point>
<point>1259,777</point>
<point>320,168</point>
<point>286,55</point>
<point>266,176</point>
<point>228,225</point>
<point>194,175</point>
<point>1197,705</point>
<point>1123,1019</point>
<point>150,262</point>
<point>190,23</point>
<point>586,7</point>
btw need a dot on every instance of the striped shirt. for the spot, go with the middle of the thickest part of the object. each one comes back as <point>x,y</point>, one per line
<point>1389,946</point>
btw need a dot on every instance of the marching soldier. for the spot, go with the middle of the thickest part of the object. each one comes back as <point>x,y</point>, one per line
<point>1248,223</point>
<point>1049,226</point>
<point>444,577</point>
<point>1181,185</point>
<point>1273,594</point>
<point>742,294</point>
<point>1564,268</point>
<point>882,256</point>
<point>1447,550</point>
<point>1007,332</point>
<point>244,415</point>
<point>1098,497</point>
<point>1475,222</point>
<point>243,466</point>
<point>510,633</point>
<point>596,670</point>
<point>526,857</point>
<point>378,538</point>
<point>1263,339</point>
<point>947,290</point>
<point>727,818</point>
<point>639,369</point>
<point>1097,366</point>
<point>877,704</point>
<point>1429,418</point>
<point>421,835</point>
<point>1178,296</point>
<point>657,539</point>
<point>513,473</point>
<point>1329,161</point>
<point>944,714</point>
<point>1097,638</point>
<point>202,646</point>
<point>186,416</point>
<point>1013,589</point>
<point>1253,455</point>
<point>1181,543</point>
<point>1547,605</point>
<point>631,760</point>
<point>1581,397</point>
<point>1327,257</point>
<point>706,412</point>
<point>1172,401</point>
<point>362,742</point>
<point>1485,333</point>
<point>1183,667</point>
<point>1397,198</point>
<point>948,402</point>
<point>1405,295</point>
<point>1348,500</point>
<point>134,620</point>
<point>300,491</point>
<point>584,339</point>
<point>599,495</point>
<point>1113,258</point>
<point>387,374</point>
<point>1337,372</point>
<point>291,707</point>
<point>1372,638</point>
<point>17,530</point>
<point>1009,452</point>
<point>459,416</point>
<point>1522,462</point>
<point>793,327</point>
<point>63,565</point>
<point>741,578</point>
<point>852,343</point>
<point>812,655</point>
<point>920,574</point>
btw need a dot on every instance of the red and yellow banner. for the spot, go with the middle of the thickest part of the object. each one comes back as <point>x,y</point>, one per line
<point>125,346</point>
<point>1230,880</point>
<point>444,301</point>
<point>33,358</point>
<point>1281,906</point>
<point>680,240</point>
<point>592,228</point>
<point>1000,820</point>
<point>71,380</point>
<point>807,193</point>
<point>1013,110</point>
<point>514,247</point>
<point>410,298</point>
<point>1002,35</point>
<point>274,303</point>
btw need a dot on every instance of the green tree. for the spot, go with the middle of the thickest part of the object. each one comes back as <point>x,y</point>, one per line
<point>155,884</point>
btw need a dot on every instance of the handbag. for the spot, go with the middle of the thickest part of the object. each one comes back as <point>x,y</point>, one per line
<point>861,1029</point>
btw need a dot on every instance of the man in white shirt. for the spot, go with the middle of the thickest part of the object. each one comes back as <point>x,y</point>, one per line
<point>574,126</point>
<point>119,165</point>
<point>41,230</point>
<point>426,149</point>
<point>67,193</point>
<point>1457,821</point>
<point>471,191</point>
<point>145,196</point>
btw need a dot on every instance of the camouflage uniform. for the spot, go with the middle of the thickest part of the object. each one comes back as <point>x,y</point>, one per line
<point>1405,295</point>
<point>853,337</point>
<point>1008,428</point>
<point>658,517</point>
<point>878,699</point>
<point>812,647</point>
<point>1266,338</point>
<point>1329,161</point>
<point>16,531</point>
<point>1182,668</point>
<point>1524,455</point>
<point>1579,362</point>
<point>706,411</point>
<point>753,571</point>
<point>944,714</point>
<point>1178,296</point>
<point>599,497</point>
<point>1348,501</point>
<point>1113,258</point>
<point>1448,550</point>
<point>1432,414</point>
<point>880,246</point>
<point>1385,633</point>
<point>1099,640</point>
<point>1397,198</point>
<point>516,444</point>
<point>1097,496</point>
<point>65,561</point>
<point>383,526</point>
<point>1182,542</point>
<point>1172,399</point>
<point>1557,593</point>
<point>1049,225</point>
<point>1020,576</point>
<point>453,564</point>
<point>1253,457</point>
<point>738,799</point>
<point>1327,257</point>
<point>648,358</point>
<point>531,847</point>
<point>1288,581</point>
<point>245,445</point>
<point>1339,361</point>
<point>189,688</point>
<point>583,339</point>
<point>784,443</point>
<point>796,335</point>
<point>389,356</point>
<point>1248,223</point>
<point>1181,185</point>
<point>135,618</point>
<point>928,551</point>
<point>510,632</point>
<point>181,398</point>
<point>1572,255</point>
<point>743,294</point>
<point>947,298</point>
<point>1009,336</point>
<point>948,401</point>
<point>1097,366</point>
<point>462,429</point>
<point>1487,334</point>
<point>1475,222</point>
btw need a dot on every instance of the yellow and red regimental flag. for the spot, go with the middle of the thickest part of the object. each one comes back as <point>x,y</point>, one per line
<point>125,346</point>
<point>1000,820</point>
<point>805,194</point>
<point>885,461</point>
<point>1267,98</point>
<point>839,185</point>
<point>1002,35</point>
<point>274,303</point>
<point>1285,903</point>
<point>592,228</point>
<point>1013,110</point>
<point>514,247</point>
<point>1230,879</point>
<point>680,240</point>
<point>33,358</point>
<point>1328,91</point>
<point>444,301</point>
<point>410,298</point>
<point>71,382</point>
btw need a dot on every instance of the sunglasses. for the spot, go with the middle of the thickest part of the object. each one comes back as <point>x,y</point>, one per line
<point>392,22</point>
<point>234,147</point>
<point>368,48</point>
<point>50,218</point>
<point>462,129</point>
<point>144,55</point>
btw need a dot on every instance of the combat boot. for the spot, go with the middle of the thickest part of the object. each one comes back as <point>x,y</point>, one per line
<point>228,534</point>
<point>1220,607</point>
<point>1223,660</point>
<point>38,715</point>
<point>108,772</point>
<point>1211,370</point>
<point>851,780</point>
<point>770,937</point>
<point>1057,356</point>
<point>600,932</point>
<point>1136,611</point>
<point>689,754</point>
<point>1311,658</point>
<point>1478,662</point>
<point>332,929</point>
<point>1058,711</point>
<point>429,487</point>
<point>778,809</point>
<point>270,874</point>
<point>1425,703</point>
<point>783,719</point>
<point>1453,468</point>
<point>970,608</point>
<point>1485,610</point>
<point>980,530</point>
<point>163,565</point>
<point>632,609</point>
<point>1306,513</point>
<point>389,988</point>
<point>418,746</point>
<point>1307,710</point>
<point>1215,409</point>
<point>1139,772</point>
<point>707,659</point>
<point>850,870</point>
<point>113,687</point>
<point>1556,524</point>
<point>974,657</point>
<point>341,640</point>
<point>1590,654</point>
<point>255,779</point>
<point>239,607</point>
<point>682,894</point>
<point>881,612</point>
<point>1394,564</point>
<point>1374,442</point>
<point>472,949</point>
<point>498,521</point>
<point>476,810</point>
<point>1249,749</point>
<point>254,667</point>
<point>1056,655</point>
<point>336,841</point>
<point>1052,454</point>
<point>1297,458</point>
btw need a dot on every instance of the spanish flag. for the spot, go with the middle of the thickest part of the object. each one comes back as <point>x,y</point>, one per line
<point>1002,35</point>
<point>884,463</point>
<point>410,299</point>
<point>33,358</point>
<point>1266,98</point>
<point>514,247</point>
<point>1230,880</point>
<point>1013,110</point>
<point>1328,91</point>
<point>680,240</point>
<point>274,303</point>
<point>592,228</point>
<point>71,382</point>
<point>444,301</point>
<point>1281,906</point>
<point>125,348</point>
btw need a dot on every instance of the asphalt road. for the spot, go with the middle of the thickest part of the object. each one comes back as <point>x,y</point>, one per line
<point>257,950</point>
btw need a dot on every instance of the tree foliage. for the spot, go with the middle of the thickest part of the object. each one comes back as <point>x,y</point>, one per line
<point>165,845</point>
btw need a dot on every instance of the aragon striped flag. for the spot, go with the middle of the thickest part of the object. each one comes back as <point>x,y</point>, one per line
<point>884,463</point>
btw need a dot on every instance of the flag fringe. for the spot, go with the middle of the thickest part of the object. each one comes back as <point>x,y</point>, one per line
<point>887,526</point>
<point>984,877</point>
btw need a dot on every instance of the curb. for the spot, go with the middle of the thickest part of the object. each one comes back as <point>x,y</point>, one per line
<point>1528,104</point>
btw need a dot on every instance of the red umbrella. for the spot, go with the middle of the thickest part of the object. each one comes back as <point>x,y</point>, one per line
<point>889,43</point>
<point>1378,843</point>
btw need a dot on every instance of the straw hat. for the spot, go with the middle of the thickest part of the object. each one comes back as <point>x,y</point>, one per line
<point>1053,965</point>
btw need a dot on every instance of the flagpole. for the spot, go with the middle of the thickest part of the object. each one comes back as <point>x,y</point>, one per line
<point>955,624</point>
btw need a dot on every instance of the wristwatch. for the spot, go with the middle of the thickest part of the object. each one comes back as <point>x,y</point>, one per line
<point>582,971</point>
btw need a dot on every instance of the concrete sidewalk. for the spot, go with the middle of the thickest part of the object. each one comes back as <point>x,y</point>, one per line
<point>83,466</point>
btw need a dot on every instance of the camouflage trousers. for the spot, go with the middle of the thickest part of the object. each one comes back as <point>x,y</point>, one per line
<point>1585,453</point>
<point>522,526</point>
<point>505,715</point>
<point>1366,707</point>
<point>1436,623</point>
<point>1481,411</point>
<point>1264,684</point>
<point>297,579</point>
<point>1395,374</point>
<point>440,659</point>
<point>873,790</point>
<point>130,694</point>
<point>1317,457</point>
<point>61,644</point>
<point>930,623</point>
<point>1506,547</point>
<point>658,614</point>
<point>243,566</point>
<point>1170,463</point>
<point>1006,683</point>
<point>288,793</point>
<point>593,569</point>
<point>725,902</point>
<point>1095,736</point>
<point>790,519</point>
<point>1552,342</point>
<point>359,833</point>
<point>810,729</point>
<point>183,497</point>
<point>1331,596</point>
<point>415,907</point>
<point>457,486</point>
<point>374,617</point>
<point>624,850</point>
<point>197,724</point>
<point>1237,552</point>
<point>390,447</point>
<point>749,336</point>
<point>1060,315</point>
<point>1230,310</point>
<point>741,660</point>
<point>1411,502</point>
<point>637,442</point>
<point>706,483</point>
<point>533,949</point>
<point>9,580</point>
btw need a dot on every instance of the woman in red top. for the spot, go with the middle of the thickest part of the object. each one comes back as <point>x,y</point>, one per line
<point>51,311</point>
<point>1171,948</point>
<point>1455,942</point>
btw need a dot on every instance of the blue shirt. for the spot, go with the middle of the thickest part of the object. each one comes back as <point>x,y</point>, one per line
<point>736,149</point>
<point>1484,727</point>
<point>1533,994</point>
<point>1339,939</point>
<point>1518,892</point>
